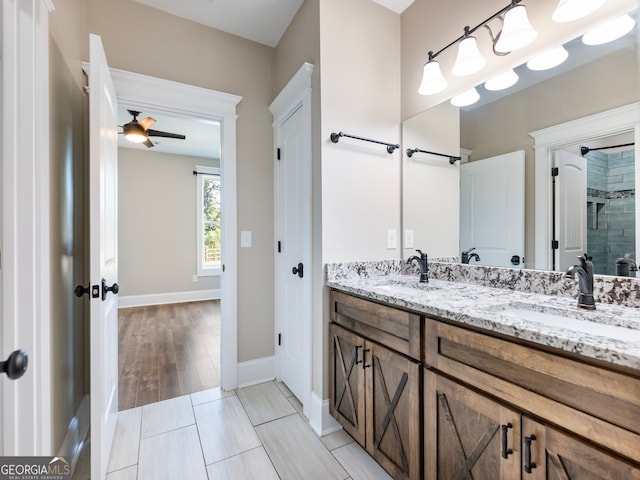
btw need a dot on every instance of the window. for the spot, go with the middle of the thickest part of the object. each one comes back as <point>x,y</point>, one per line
<point>209,212</point>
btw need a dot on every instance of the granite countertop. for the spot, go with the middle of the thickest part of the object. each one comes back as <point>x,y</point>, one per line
<point>610,333</point>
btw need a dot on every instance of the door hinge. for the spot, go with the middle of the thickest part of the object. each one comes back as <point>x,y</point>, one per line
<point>279,246</point>
<point>278,153</point>
<point>554,171</point>
<point>279,339</point>
<point>555,244</point>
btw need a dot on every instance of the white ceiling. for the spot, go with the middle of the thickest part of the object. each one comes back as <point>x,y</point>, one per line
<point>263,21</point>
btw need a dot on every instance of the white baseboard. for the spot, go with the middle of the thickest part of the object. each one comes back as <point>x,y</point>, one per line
<point>165,298</point>
<point>256,371</point>
<point>77,434</point>
<point>321,422</point>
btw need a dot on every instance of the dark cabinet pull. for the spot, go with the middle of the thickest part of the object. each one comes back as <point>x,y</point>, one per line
<point>506,451</point>
<point>106,289</point>
<point>357,348</point>
<point>15,365</point>
<point>364,357</point>
<point>528,464</point>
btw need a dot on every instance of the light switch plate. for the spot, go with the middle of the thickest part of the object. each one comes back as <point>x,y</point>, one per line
<point>245,239</point>
<point>408,239</point>
<point>392,240</point>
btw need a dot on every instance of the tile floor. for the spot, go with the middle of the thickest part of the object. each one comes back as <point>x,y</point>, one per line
<point>256,432</point>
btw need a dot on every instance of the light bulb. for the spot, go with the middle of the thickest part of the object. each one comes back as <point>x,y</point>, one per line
<point>432,79</point>
<point>502,81</point>
<point>517,31</point>
<point>469,59</point>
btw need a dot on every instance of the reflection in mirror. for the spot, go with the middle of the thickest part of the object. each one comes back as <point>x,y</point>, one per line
<point>595,209</point>
<point>600,79</point>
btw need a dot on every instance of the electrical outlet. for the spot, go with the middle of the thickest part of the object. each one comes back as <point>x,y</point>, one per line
<point>245,239</point>
<point>408,239</point>
<point>392,240</point>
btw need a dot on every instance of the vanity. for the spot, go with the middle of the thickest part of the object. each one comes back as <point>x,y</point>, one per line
<point>448,379</point>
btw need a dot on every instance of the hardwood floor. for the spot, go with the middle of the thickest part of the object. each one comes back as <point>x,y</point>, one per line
<point>166,351</point>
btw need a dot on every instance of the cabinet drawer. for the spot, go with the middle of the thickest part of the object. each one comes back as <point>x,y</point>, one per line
<point>396,329</point>
<point>602,405</point>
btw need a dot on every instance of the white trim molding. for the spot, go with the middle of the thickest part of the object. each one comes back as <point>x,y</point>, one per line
<point>253,372</point>
<point>26,303</point>
<point>546,141</point>
<point>174,98</point>
<point>167,298</point>
<point>320,420</point>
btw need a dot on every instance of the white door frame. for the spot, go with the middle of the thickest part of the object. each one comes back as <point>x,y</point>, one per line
<point>610,122</point>
<point>296,94</point>
<point>165,96</point>
<point>26,403</point>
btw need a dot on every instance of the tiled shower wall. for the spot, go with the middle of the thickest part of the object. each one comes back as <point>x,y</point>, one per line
<point>610,208</point>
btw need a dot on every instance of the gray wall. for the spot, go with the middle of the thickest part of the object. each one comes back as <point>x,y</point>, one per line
<point>157,222</point>
<point>69,319</point>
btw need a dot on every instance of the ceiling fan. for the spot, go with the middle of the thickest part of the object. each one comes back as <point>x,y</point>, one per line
<point>139,132</point>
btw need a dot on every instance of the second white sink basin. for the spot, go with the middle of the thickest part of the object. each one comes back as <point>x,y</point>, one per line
<point>564,319</point>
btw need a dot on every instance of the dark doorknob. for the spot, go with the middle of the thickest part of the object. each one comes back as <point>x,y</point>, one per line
<point>15,365</point>
<point>106,289</point>
<point>299,270</point>
<point>515,260</point>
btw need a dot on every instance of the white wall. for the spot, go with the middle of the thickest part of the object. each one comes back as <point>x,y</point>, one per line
<point>430,184</point>
<point>360,182</point>
<point>360,43</point>
<point>157,222</point>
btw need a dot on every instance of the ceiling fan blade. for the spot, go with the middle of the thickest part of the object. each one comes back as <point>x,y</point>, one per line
<point>158,133</point>
<point>147,122</point>
<point>148,144</point>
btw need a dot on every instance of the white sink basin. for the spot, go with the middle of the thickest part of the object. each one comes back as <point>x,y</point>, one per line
<point>565,319</point>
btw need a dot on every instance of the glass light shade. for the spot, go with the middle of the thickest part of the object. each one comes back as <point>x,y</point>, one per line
<point>569,10</point>
<point>517,31</point>
<point>134,133</point>
<point>502,81</point>
<point>549,59</point>
<point>469,59</point>
<point>609,31</point>
<point>432,79</point>
<point>467,98</point>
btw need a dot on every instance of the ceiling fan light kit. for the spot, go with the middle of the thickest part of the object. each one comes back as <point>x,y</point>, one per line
<point>139,132</point>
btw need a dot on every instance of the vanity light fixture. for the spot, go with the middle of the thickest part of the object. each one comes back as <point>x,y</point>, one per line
<point>549,59</point>
<point>610,31</point>
<point>432,79</point>
<point>502,81</point>
<point>569,10</point>
<point>469,59</point>
<point>469,97</point>
<point>516,33</point>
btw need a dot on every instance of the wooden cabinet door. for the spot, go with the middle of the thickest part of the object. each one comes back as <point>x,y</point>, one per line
<point>393,385</point>
<point>558,456</point>
<point>468,435</point>
<point>346,381</point>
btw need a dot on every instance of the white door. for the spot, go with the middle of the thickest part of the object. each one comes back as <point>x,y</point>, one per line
<point>293,281</point>
<point>570,208</point>
<point>492,209</point>
<point>103,189</point>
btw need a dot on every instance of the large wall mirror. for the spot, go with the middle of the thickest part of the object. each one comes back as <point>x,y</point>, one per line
<point>549,116</point>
